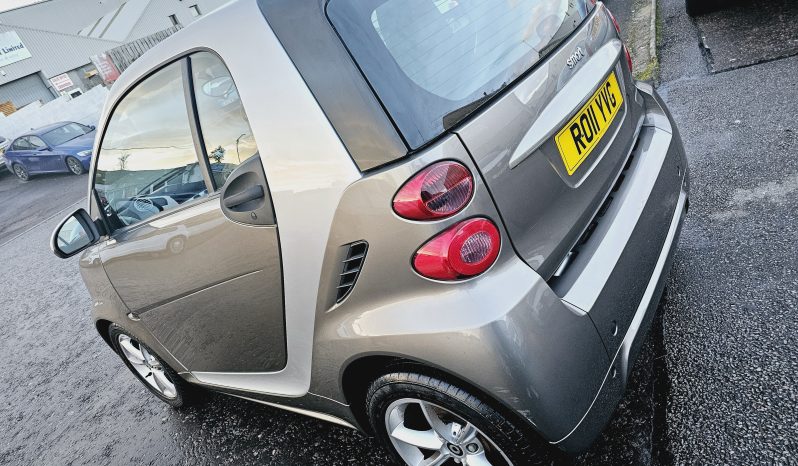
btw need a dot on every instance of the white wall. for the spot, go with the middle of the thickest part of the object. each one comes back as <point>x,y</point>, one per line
<point>84,109</point>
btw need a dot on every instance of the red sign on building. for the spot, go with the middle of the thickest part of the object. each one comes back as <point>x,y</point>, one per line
<point>105,66</point>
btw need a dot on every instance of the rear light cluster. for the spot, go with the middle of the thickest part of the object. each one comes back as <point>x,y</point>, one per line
<point>465,249</point>
<point>618,30</point>
<point>438,191</point>
<point>628,57</point>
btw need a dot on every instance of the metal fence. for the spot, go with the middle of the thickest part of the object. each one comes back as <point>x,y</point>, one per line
<point>126,54</point>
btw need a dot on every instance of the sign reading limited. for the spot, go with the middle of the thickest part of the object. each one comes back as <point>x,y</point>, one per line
<point>12,49</point>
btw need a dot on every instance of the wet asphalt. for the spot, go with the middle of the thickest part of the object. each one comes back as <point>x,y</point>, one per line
<point>717,382</point>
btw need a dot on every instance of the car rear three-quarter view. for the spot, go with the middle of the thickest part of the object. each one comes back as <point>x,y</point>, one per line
<point>445,223</point>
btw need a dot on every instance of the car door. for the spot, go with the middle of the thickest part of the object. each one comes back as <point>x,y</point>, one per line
<point>25,153</point>
<point>43,156</point>
<point>14,152</point>
<point>195,251</point>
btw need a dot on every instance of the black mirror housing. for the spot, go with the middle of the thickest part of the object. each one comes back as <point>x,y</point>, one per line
<point>74,234</point>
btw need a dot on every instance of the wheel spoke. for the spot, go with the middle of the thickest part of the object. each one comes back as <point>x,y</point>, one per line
<point>164,384</point>
<point>133,354</point>
<point>467,433</point>
<point>477,460</point>
<point>443,430</point>
<point>426,439</point>
<point>148,359</point>
<point>435,460</point>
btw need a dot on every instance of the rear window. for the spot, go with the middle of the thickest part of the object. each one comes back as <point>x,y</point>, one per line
<point>432,62</point>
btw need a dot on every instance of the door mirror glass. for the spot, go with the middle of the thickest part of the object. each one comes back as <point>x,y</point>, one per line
<point>76,233</point>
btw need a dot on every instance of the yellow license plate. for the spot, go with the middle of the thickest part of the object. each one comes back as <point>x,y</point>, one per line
<point>582,134</point>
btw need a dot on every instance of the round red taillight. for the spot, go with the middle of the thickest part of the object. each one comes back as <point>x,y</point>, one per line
<point>464,250</point>
<point>438,191</point>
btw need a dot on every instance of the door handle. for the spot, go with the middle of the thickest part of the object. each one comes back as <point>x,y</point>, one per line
<point>249,194</point>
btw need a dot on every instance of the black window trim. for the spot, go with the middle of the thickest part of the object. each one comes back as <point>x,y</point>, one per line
<point>199,146</point>
<point>194,124</point>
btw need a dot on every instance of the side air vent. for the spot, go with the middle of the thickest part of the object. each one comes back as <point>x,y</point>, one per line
<point>350,269</point>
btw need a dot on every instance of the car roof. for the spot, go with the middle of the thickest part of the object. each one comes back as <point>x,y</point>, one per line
<point>44,129</point>
<point>345,97</point>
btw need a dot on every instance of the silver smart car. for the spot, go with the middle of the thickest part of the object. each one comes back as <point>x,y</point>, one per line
<point>447,223</point>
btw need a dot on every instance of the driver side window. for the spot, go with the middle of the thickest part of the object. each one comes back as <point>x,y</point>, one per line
<point>147,161</point>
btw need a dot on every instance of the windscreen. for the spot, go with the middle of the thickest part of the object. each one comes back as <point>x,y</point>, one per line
<point>432,62</point>
<point>65,133</point>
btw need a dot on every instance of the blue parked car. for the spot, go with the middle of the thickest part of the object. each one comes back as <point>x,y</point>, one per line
<point>59,147</point>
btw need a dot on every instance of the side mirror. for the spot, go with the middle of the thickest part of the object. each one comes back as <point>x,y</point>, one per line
<point>42,149</point>
<point>76,233</point>
<point>92,127</point>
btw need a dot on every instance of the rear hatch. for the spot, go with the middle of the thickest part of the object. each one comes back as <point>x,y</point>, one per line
<point>553,148</point>
<point>535,89</point>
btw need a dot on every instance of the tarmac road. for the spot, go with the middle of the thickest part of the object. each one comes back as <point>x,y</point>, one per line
<point>23,205</point>
<point>716,384</point>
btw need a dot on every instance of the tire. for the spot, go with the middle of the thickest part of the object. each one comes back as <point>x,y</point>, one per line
<point>75,166</point>
<point>184,394</point>
<point>21,172</point>
<point>501,440</point>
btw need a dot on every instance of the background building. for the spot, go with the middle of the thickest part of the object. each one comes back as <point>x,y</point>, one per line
<point>46,47</point>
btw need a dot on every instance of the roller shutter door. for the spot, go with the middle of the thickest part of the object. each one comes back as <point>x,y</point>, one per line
<point>25,90</point>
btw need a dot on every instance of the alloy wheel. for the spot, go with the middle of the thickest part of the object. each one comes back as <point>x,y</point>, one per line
<point>74,166</point>
<point>425,434</point>
<point>21,173</point>
<point>147,366</point>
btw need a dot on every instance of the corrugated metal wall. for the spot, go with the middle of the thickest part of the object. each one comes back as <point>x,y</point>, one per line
<point>156,16</point>
<point>66,16</point>
<point>25,90</point>
<point>80,80</point>
<point>126,54</point>
<point>52,53</point>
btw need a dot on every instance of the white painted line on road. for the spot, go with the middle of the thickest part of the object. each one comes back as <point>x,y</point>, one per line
<point>43,221</point>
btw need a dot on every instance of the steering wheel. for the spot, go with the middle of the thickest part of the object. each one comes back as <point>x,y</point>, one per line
<point>142,204</point>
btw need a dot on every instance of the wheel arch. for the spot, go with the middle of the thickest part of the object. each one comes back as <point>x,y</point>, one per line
<point>103,326</point>
<point>359,373</point>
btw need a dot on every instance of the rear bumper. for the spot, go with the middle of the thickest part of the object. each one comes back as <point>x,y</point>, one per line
<point>631,287</point>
